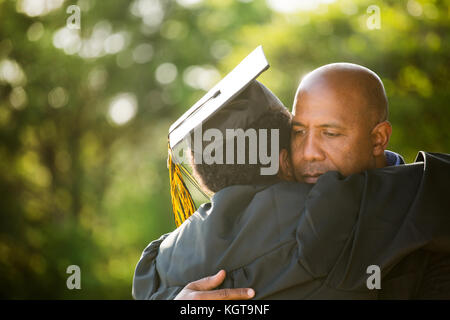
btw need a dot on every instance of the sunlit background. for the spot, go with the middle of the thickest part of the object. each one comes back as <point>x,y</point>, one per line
<point>84,113</point>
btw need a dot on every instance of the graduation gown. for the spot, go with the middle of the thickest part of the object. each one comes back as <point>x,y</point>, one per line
<point>299,241</point>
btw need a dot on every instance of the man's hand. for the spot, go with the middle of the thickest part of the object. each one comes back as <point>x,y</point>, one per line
<point>201,290</point>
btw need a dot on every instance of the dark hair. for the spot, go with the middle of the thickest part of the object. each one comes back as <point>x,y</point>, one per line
<point>215,177</point>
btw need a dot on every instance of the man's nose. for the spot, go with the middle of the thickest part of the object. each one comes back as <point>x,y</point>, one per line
<point>312,150</point>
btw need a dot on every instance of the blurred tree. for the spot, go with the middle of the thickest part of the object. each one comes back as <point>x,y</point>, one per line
<point>84,113</point>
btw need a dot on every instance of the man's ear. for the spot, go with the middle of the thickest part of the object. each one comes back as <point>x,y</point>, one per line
<point>380,137</point>
<point>286,171</point>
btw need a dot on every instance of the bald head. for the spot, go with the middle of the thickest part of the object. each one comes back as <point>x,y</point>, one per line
<point>339,122</point>
<point>356,86</point>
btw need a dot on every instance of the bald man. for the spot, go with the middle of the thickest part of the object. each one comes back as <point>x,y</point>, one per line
<point>339,124</point>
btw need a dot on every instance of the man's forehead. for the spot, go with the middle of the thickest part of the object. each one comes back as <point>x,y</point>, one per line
<point>322,103</point>
<point>328,104</point>
<point>330,124</point>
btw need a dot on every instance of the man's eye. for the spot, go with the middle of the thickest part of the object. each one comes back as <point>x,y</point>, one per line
<point>332,134</point>
<point>299,132</point>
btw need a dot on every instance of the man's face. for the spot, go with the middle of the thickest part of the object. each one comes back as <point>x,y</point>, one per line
<point>326,136</point>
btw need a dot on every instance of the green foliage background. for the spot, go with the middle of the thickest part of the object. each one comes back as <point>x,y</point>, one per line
<point>76,188</point>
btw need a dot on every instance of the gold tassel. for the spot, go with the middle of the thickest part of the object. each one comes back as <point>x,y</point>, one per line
<point>182,203</point>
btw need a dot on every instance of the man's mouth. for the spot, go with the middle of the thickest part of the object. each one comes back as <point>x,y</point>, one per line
<point>311,177</point>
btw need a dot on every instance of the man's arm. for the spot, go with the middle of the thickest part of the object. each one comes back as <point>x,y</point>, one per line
<point>202,290</point>
<point>436,278</point>
<point>146,282</point>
